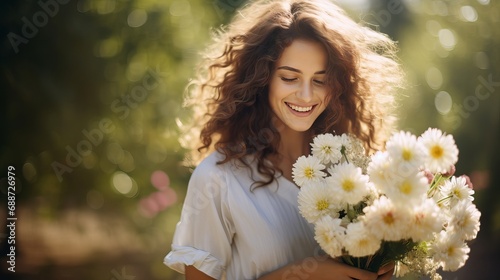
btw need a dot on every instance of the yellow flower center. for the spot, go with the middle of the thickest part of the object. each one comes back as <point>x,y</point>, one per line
<point>450,251</point>
<point>389,218</point>
<point>327,238</point>
<point>363,242</point>
<point>322,204</point>
<point>437,151</point>
<point>309,172</point>
<point>456,193</point>
<point>407,154</point>
<point>327,149</point>
<point>405,187</point>
<point>348,185</point>
<point>463,223</point>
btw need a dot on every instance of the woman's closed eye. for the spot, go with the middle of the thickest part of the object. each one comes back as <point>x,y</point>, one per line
<point>288,80</point>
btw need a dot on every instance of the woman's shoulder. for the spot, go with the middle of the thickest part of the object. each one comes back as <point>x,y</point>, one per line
<point>211,163</point>
<point>211,166</point>
<point>214,165</point>
<point>216,161</point>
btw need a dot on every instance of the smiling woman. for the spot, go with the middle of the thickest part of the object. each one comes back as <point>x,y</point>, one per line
<point>297,94</point>
<point>280,73</point>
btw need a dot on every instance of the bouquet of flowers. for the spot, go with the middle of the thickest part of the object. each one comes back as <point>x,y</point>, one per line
<point>402,204</point>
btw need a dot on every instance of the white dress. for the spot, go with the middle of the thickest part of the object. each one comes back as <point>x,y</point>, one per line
<point>228,231</point>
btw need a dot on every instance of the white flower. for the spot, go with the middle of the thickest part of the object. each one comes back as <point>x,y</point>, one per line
<point>409,190</point>
<point>380,170</point>
<point>386,221</point>
<point>348,183</point>
<point>419,261</point>
<point>345,145</point>
<point>456,189</point>
<point>440,150</point>
<point>316,201</point>
<point>464,220</point>
<point>359,242</point>
<point>406,152</point>
<point>401,269</point>
<point>449,251</point>
<point>345,141</point>
<point>307,170</point>
<point>355,152</point>
<point>326,148</point>
<point>426,219</point>
<point>330,235</point>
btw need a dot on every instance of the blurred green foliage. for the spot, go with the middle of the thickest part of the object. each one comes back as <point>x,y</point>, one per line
<point>92,93</point>
<point>450,52</point>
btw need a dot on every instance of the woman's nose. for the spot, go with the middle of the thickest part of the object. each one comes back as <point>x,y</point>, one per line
<point>305,93</point>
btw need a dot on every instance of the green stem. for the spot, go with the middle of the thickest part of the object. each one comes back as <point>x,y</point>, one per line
<point>342,151</point>
<point>347,259</point>
<point>434,183</point>
<point>368,261</point>
<point>346,159</point>
<point>443,199</point>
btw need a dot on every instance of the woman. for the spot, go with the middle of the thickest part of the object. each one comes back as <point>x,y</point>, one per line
<point>282,72</point>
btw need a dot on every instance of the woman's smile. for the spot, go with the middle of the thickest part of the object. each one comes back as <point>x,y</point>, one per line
<point>300,109</point>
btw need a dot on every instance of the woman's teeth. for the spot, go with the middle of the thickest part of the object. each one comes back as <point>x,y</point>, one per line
<point>300,109</point>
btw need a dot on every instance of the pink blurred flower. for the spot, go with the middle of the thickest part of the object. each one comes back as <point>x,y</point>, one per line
<point>450,171</point>
<point>156,202</point>
<point>160,180</point>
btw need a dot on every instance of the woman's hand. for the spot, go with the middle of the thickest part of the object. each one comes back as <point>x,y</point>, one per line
<point>322,268</point>
<point>386,271</point>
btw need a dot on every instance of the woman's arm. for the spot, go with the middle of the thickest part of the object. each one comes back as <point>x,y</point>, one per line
<point>192,273</point>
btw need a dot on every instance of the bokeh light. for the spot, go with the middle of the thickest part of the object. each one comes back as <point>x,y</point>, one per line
<point>468,13</point>
<point>434,78</point>
<point>447,39</point>
<point>123,184</point>
<point>443,102</point>
<point>137,18</point>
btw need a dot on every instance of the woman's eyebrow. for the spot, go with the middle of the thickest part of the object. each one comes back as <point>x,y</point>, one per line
<point>297,70</point>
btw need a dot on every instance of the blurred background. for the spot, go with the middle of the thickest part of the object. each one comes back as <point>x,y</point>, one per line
<point>91,95</point>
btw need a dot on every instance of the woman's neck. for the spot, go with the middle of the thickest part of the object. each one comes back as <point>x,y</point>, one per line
<point>293,144</point>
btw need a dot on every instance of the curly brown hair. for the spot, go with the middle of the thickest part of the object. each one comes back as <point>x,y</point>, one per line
<point>229,94</point>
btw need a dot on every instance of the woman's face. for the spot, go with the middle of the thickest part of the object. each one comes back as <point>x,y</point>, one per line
<point>297,93</point>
